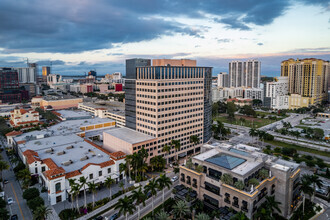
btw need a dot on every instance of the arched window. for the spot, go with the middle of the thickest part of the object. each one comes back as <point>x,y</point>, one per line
<point>57,187</point>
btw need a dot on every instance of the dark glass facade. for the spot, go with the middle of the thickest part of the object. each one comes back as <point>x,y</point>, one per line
<point>9,86</point>
<point>130,90</point>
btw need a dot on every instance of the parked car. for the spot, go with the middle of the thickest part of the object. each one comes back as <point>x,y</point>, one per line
<point>321,191</point>
<point>98,218</point>
<point>5,181</point>
<point>14,217</point>
<point>10,201</point>
<point>114,216</point>
<point>174,178</point>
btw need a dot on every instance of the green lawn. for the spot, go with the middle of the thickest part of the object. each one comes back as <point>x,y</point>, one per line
<point>247,122</point>
<point>299,148</point>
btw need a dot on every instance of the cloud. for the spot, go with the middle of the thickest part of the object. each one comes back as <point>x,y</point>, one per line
<point>260,44</point>
<point>224,40</point>
<point>233,23</point>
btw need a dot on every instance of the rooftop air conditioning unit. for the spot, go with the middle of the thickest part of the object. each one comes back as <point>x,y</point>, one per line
<point>69,147</point>
<point>84,158</point>
<point>49,150</point>
<point>60,153</point>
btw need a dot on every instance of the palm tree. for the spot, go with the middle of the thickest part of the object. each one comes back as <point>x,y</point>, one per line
<point>180,209</point>
<point>125,206</point>
<point>239,185</point>
<point>122,185</point>
<point>42,212</point>
<point>76,190</point>
<point>263,173</point>
<point>316,181</point>
<point>202,216</point>
<point>166,149</point>
<point>72,183</point>
<point>195,140</point>
<point>162,215</point>
<point>3,166</point>
<point>92,187</point>
<point>176,144</point>
<point>108,182</point>
<point>253,182</point>
<point>261,135</point>
<point>139,197</point>
<point>163,181</point>
<point>305,188</point>
<point>239,216</point>
<point>253,132</point>
<point>83,181</point>
<point>227,179</point>
<point>263,214</point>
<point>272,205</point>
<point>152,188</point>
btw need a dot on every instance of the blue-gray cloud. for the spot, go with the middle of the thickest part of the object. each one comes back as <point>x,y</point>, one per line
<point>260,44</point>
<point>75,26</point>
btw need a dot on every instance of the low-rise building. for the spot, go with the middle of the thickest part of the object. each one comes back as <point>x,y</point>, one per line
<point>57,159</point>
<point>86,88</point>
<point>112,110</point>
<point>243,163</point>
<point>129,141</point>
<point>240,101</point>
<point>23,117</point>
<point>323,114</point>
<point>72,115</point>
<point>298,101</point>
<point>57,102</point>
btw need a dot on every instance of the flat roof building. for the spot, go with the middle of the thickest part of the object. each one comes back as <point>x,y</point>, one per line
<point>242,163</point>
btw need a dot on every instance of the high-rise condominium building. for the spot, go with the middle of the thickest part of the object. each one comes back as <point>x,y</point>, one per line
<point>223,80</point>
<point>244,74</point>
<point>307,77</point>
<point>170,102</point>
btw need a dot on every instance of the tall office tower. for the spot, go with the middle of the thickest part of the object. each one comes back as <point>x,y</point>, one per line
<point>9,86</point>
<point>244,74</point>
<point>223,80</point>
<point>307,77</point>
<point>130,89</point>
<point>45,72</point>
<point>173,103</point>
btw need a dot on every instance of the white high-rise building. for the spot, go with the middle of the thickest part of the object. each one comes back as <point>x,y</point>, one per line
<point>223,80</point>
<point>278,92</point>
<point>27,74</point>
<point>244,74</point>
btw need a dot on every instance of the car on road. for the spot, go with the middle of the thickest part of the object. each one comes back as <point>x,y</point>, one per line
<point>5,181</point>
<point>14,217</point>
<point>10,201</point>
<point>321,191</point>
<point>174,178</point>
<point>114,216</point>
<point>98,218</point>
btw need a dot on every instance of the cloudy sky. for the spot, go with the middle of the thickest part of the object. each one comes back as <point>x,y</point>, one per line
<point>79,35</point>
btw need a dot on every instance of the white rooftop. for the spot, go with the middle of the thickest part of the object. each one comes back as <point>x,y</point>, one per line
<point>81,149</point>
<point>72,114</point>
<point>129,135</point>
<point>62,128</point>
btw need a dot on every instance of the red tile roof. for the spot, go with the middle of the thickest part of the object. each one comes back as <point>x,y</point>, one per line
<point>21,142</point>
<point>14,133</point>
<point>72,174</point>
<point>103,164</point>
<point>31,156</point>
<point>117,155</point>
<point>50,163</point>
<point>54,173</point>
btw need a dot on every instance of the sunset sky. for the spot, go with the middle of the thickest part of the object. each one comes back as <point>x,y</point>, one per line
<point>80,35</point>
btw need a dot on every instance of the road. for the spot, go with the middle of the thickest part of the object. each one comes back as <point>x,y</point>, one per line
<point>13,190</point>
<point>148,208</point>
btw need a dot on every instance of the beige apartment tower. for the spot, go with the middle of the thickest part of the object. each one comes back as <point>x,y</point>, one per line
<point>307,77</point>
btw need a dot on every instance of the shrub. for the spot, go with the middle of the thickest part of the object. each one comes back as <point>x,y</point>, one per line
<point>2,203</point>
<point>20,166</point>
<point>31,193</point>
<point>288,151</point>
<point>36,202</point>
<point>68,214</point>
<point>4,213</point>
<point>43,189</point>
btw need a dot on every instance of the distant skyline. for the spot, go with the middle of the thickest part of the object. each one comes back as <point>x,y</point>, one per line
<point>80,35</point>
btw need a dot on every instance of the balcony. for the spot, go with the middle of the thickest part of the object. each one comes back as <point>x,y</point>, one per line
<point>244,209</point>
